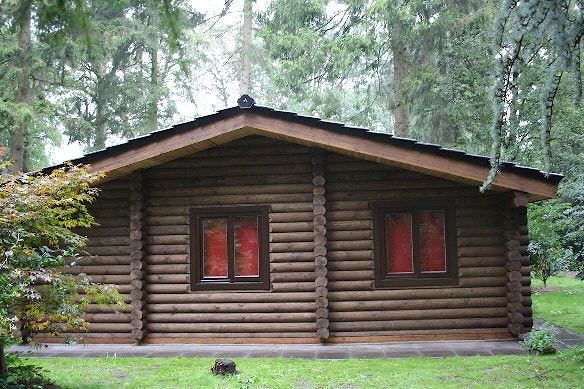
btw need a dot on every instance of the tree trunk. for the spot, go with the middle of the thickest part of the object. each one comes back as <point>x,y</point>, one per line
<point>400,73</point>
<point>244,80</point>
<point>154,91</point>
<point>3,366</point>
<point>22,92</point>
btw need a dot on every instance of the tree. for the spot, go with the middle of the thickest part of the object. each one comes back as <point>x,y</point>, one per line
<point>543,34</point>
<point>37,244</point>
<point>120,87</point>
<point>24,111</point>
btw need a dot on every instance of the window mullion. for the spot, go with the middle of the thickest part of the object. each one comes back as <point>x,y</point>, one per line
<point>416,243</point>
<point>230,249</point>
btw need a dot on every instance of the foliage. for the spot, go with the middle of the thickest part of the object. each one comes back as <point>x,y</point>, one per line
<point>22,374</point>
<point>556,237</point>
<point>37,244</point>
<point>537,42</point>
<point>560,370</point>
<point>560,303</point>
<point>541,340</point>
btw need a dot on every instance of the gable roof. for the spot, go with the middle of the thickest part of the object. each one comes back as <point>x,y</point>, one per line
<point>234,123</point>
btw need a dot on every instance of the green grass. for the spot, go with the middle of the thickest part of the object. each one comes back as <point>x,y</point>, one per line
<point>561,303</point>
<point>563,370</point>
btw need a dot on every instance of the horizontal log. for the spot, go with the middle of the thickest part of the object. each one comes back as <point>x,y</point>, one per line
<point>419,324</point>
<point>160,181</point>
<point>228,317</point>
<point>253,198</point>
<point>291,247</point>
<point>212,191</point>
<point>166,259</point>
<point>107,318</point>
<point>496,261</point>
<point>350,285</point>
<point>284,257</point>
<point>235,338</point>
<point>427,314</point>
<point>491,251</point>
<point>293,286</point>
<point>351,275</point>
<point>351,265</point>
<point>167,249</point>
<point>285,237</point>
<point>350,225</point>
<point>348,215</point>
<point>230,328</point>
<point>416,294</point>
<point>167,240</point>
<point>110,327</point>
<point>353,255</point>
<point>408,192</point>
<point>494,333</point>
<point>486,221</point>
<point>167,278</point>
<point>100,269</point>
<point>292,277</point>
<point>356,245</point>
<point>97,232</point>
<point>111,279</point>
<point>480,241</point>
<point>227,307</point>
<point>422,304</point>
<point>108,250</point>
<point>291,226</point>
<point>167,230</point>
<point>479,230</point>
<point>474,282</point>
<point>231,297</point>
<point>291,267</point>
<point>482,272</point>
<point>350,235</point>
<point>167,288</point>
<point>119,240</point>
<point>169,269</point>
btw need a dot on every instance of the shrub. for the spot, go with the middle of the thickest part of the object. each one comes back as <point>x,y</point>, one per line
<point>541,341</point>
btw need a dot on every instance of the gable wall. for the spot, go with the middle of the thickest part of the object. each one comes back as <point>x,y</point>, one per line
<point>261,171</point>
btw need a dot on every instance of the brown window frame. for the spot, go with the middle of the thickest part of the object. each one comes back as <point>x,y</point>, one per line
<point>231,282</point>
<point>417,278</point>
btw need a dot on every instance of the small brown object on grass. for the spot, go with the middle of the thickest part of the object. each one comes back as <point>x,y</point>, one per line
<point>223,367</point>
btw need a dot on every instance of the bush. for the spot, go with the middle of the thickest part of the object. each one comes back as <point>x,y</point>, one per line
<point>541,341</point>
<point>22,375</point>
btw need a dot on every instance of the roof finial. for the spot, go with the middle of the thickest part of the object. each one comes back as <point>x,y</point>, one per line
<point>245,101</point>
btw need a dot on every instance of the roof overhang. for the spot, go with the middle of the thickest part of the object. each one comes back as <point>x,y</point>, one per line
<point>198,135</point>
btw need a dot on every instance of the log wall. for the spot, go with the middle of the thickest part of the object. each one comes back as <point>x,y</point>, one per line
<point>476,308</point>
<point>110,263</point>
<point>321,253</point>
<point>246,172</point>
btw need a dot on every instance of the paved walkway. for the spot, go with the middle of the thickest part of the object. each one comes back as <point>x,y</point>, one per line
<point>432,349</point>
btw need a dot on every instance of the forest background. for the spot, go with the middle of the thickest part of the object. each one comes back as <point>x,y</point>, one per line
<point>491,77</point>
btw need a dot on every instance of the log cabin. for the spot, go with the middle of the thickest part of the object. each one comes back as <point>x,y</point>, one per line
<point>254,225</point>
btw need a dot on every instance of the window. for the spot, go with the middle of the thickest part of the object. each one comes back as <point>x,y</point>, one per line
<point>229,248</point>
<point>415,244</point>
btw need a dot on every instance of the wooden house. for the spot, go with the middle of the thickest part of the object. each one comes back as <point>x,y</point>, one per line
<point>253,225</point>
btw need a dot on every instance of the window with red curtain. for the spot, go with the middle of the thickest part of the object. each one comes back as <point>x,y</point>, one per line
<point>415,243</point>
<point>229,247</point>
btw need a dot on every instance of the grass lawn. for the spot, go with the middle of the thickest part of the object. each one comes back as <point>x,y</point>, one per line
<point>563,370</point>
<point>561,302</point>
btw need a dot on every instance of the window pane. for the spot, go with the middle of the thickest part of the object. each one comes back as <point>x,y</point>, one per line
<point>432,241</point>
<point>399,243</point>
<point>214,248</point>
<point>246,246</point>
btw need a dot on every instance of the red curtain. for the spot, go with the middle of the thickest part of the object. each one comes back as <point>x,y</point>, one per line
<point>399,243</point>
<point>432,245</point>
<point>214,247</point>
<point>246,246</point>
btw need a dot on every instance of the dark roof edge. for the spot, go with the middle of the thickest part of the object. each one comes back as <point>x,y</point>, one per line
<point>552,178</point>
